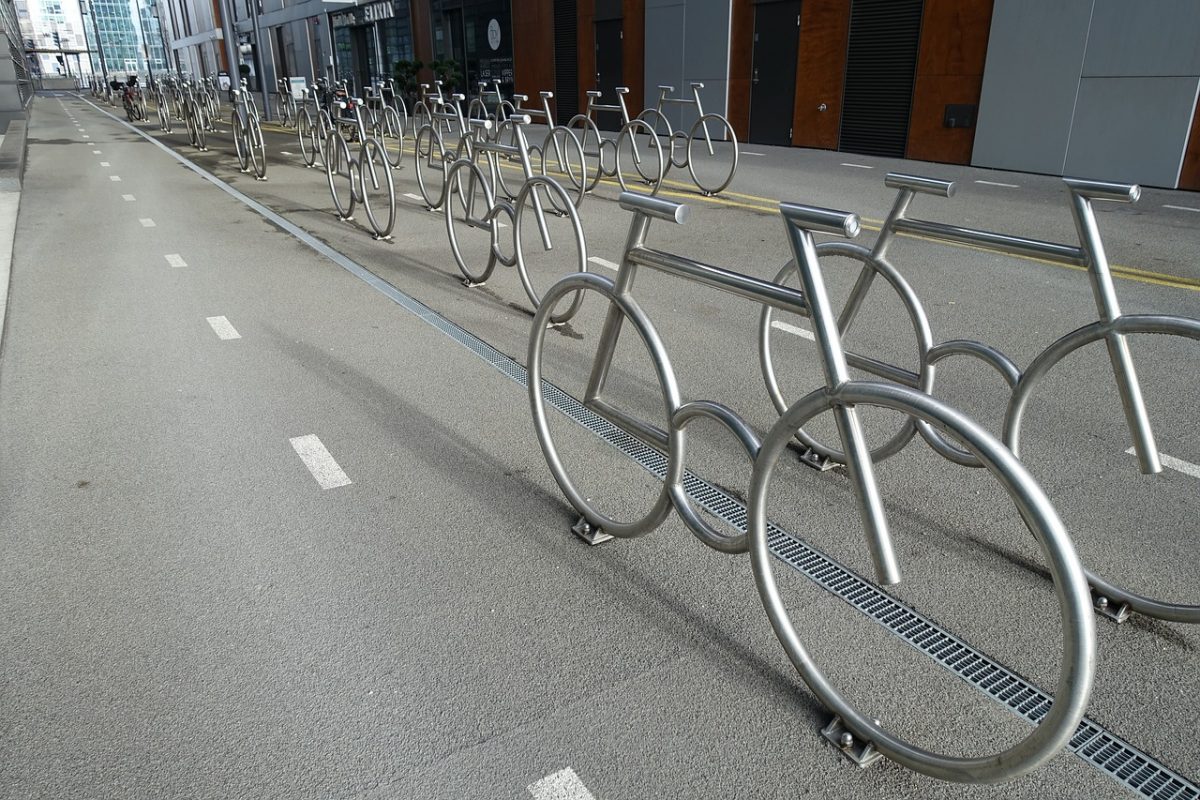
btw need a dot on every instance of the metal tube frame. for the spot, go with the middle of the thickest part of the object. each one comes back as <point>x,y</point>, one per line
<point>840,396</point>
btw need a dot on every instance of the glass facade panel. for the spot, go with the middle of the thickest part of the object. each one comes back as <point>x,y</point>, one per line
<point>477,36</point>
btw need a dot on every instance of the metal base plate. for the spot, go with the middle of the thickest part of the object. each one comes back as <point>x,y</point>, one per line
<point>588,532</point>
<point>861,753</point>
<point>810,458</point>
<point>1117,612</point>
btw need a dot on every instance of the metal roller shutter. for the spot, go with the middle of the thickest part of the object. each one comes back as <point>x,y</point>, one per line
<point>880,65</point>
<point>566,60</point>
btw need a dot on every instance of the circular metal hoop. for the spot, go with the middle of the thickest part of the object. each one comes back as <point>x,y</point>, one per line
<point>373,165</point>
<point>473,181</point>
<point>727,135</point>
<point>633,314</point>
<point>558,197</point>
<point>1079,643</point>
<point>916,315</point>
<point>1156,324</point>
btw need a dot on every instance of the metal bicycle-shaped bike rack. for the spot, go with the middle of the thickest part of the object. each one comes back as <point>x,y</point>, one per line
<point>471,187</point>
<point>708,184</point>
<point>841,396</point>
<point>583,127</point>
<point>1112,327</point>
<point>369,169</point>
<point>431,157</point>
<point>247,134</point>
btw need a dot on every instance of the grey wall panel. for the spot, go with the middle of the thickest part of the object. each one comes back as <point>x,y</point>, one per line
<point>688,42</point>
<point>1111,138</point>
<point>1150,38</point>
<point>1035,56</point>
<point>664,47</point>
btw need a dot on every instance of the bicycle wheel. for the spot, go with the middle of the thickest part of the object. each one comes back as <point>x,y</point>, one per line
<point>1079,644</point>
<point>376,188</point>
<point>563,160</point>
<point>471,222</point>
<point>660,128</point>
<point>1133,324</point>
<point>324,126</point>
<point>430,157</point>
<point>393,137</point>
<point>612,510</point>
<point>509,175</point>
<point>240,143</point>
<point>258,153</point>
<point>421,116</point>
<point>538,192</point>
<point>588,136</point>
<point>712,153</point>
<point>307,137</point>
<point>339,166</point>
<point>190,121</point>
<point>637,144</point>
<point>921,344</point>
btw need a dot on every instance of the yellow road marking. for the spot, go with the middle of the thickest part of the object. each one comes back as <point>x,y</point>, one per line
<point>766,205</point>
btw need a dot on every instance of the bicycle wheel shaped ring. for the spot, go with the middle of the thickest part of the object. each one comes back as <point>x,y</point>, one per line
<point>429,156</point>
<point>553,191</point>
<point>1079,642</point>
<point>712,153</point>
<point>258,152</point>
<point>305,133</point>
<point>393,129</point>
<point>240,143</point>
<point>649,161</point>
<point>338,166</point>
<point>376,188</point>
<point>469,218</point>
<point>627,311</point>
<point>1162,325</point>
<point>923,341</point>
<point>568,155</point>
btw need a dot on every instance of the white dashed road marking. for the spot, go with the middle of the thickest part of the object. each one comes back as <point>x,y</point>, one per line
<point>604,262</point>
<point>562,785</point>
<point>222,327</point>
<point>105,164</point>
<point>128,198</point>
<point>786,328</point>
<point>1177,464</point>
<point>147,222</point>
<point>319,462</point>
<point>857,166</point>
<point>748,153</point>
<point>412,196</point>
<point>95,152</point>
<point>1182,208</point>
<point>114,177</point>
<point>175,260</point>
<point>995,183</point>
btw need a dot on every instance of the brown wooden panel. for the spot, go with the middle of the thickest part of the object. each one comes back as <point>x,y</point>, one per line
<point>1189,177</point>
<point>633,52</point>
<point>954,37</point>
<point>586,13</point>
<point>422,27</point>
<point>820,72</point>
<point>741,64</point>
<point>533,47</point>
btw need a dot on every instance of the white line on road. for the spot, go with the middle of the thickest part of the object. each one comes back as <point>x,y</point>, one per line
<point>147,222</point>
<point>412,196</point>
<point>319,462</point>
<point>1177,464</point>
<point>86,136</point>
<point>175,260</point>
<point>128,198</point>
<point>995,183</point>
<point>222,327</point>
<point>1182,208</point>
<point>95,152</point>
<point>604,262</point>
<point>857,166</point>
<point>286,153</point>
<point>105,164</point>
<point>562,785</point>
<point>748,153</point>
<point>786,328</point>
<point>114,177</point>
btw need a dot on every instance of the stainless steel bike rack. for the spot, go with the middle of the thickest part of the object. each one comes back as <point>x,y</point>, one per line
<point>371,163</point>
<point>855,733</point>
<point>657,121</point>
<point>1112,328</point>
<point>475,185</point>
<point>583,128</point>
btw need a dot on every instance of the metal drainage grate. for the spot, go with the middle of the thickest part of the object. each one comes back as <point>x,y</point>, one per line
<point>1107,752</point>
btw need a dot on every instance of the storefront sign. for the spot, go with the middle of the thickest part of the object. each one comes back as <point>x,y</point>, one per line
<point>365,15</point>
<point>494,34</point>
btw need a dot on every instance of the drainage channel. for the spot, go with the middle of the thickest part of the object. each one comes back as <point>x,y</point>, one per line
<point>1102,749</point>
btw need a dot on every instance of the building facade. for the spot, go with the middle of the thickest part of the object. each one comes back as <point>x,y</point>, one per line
<point>1103,89</point>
